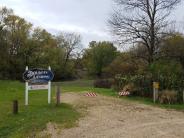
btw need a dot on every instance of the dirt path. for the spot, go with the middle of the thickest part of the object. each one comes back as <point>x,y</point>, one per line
<point>107,117</point>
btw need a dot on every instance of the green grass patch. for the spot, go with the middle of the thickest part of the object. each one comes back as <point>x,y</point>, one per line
<point>149,101</point>
<point>76,83</point>
<point>33,118</point>
<point>87,85</point>
<point>83,86</point>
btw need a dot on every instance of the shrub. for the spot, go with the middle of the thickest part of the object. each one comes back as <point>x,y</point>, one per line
<point>169,73</point>
<point>102,83</point>
<point>130,87</point>
<point>168,97</point>
<point>143,84</point>
<point>180,96</point>
<point>119,82</point>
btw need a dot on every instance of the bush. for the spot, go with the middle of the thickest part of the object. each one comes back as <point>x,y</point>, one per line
<point>180,96</point>
<point>130,87</point>
<point>102,83</point>
<point>168,97</point>
<point>143,84</point>
<point>169,74</point>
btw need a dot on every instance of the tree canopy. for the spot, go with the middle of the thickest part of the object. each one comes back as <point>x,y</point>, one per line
<point>22,45</point>
<point>98,56</point>
<point>142,21</point>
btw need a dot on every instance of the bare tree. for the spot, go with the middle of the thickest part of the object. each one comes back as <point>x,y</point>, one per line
<point>142,21</point>
<point>70,42</point>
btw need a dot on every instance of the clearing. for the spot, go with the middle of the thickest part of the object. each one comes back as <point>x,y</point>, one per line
<point>109,117</point>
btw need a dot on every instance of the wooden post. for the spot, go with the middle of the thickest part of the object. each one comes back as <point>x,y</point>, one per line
<point>58,93</point>
<point>183,96</point>
<point>15,107</point>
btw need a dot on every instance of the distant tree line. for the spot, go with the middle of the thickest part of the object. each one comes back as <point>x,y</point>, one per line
<point>159,59</point>
<point>23,45</point>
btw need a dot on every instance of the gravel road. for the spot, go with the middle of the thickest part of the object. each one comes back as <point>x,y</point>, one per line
<point>107,117</point>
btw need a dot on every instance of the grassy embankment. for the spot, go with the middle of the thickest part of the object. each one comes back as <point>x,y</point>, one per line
<point>33,118</point>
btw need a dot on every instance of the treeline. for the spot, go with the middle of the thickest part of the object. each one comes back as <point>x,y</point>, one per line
<point>23,45</point>
<point>131,70</point>
<point>103,60</point>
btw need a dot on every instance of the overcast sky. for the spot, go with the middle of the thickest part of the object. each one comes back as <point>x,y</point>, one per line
<point>87,17</point>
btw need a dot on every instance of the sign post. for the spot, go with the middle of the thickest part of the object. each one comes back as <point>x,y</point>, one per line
<point>26,90</point>
<point>155,91</point>
<point>37,79</point>
<point>15,107</point>
<point>49,88</point>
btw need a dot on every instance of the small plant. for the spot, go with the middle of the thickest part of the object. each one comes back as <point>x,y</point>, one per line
<point>168,97</point>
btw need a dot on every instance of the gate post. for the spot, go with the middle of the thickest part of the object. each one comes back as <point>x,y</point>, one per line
<point>58,94</point>
<point>183,96</point>
<point>155,91</point>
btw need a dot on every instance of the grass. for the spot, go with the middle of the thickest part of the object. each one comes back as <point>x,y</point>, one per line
<point>76,83</point>
<point>87,85</point>
<point>33,118</point>
<point>83,86</point>
<point>149,101</point>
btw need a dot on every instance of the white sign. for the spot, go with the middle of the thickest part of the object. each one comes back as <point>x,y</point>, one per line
<point>38,87</point>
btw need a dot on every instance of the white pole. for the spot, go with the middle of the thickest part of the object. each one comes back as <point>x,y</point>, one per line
<point>49,89</point>
<point>26,90</point>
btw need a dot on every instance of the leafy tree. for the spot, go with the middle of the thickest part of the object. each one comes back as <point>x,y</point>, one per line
<point>22,45</point>
<point>169,73</point>
<point>173,48</point>
<point>4,12</point>
<point>123,64</point>
<point>98,56</point>
<point>16,31</point>
<point>42,43</point>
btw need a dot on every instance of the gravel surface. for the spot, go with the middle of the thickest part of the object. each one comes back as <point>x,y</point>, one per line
<point>107,117</point>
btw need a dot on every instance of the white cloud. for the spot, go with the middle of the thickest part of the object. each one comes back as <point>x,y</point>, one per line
<point>87,17</point>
